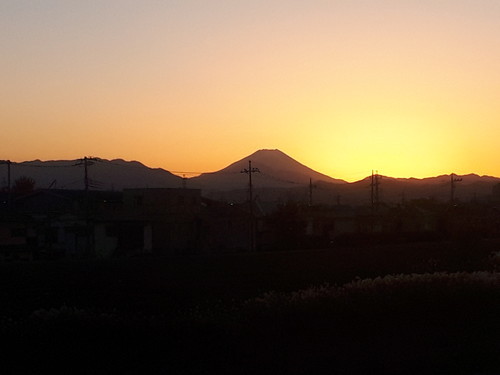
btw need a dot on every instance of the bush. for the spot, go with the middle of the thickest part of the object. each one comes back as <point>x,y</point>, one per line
<point>396,324</point>
<point>428,323</point>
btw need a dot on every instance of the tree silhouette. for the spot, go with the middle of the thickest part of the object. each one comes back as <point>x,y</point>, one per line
<point>24,184</point>
<point>288,226</point>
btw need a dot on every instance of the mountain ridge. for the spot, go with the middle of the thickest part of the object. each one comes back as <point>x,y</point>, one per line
<point>103,174</point>
<point>277,172</point>
<point>273,168</point>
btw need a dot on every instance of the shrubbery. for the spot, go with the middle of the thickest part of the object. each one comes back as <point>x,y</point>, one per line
<point>424,284</point>
<point>200,314</point>
<point>427,323</point>
<point>420,323</point>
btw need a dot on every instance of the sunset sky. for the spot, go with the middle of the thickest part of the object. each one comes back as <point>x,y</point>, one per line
<point>410,88</point>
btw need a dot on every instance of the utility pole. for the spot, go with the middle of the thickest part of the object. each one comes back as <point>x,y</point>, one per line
<point>86,179</point>
<point>8,162</point>
<point>87,161</point>
<point>372,191</point>
<point>375,201</point>
<point>453,182</point>
<point>374,185</point>
<point>311,187</point>
<point>250,171</point>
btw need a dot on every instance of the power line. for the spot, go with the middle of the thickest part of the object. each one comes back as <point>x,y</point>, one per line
<point>190,172</point>
<point>42,166</point>
<point>280,179</point>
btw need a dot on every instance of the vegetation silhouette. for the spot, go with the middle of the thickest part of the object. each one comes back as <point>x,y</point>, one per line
<point>24,184</point>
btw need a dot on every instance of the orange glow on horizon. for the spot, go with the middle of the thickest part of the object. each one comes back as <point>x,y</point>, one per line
<point>407,88</point>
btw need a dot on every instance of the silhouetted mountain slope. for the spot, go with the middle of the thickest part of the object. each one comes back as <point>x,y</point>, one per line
<point>468,187</point>
<point>276,170</point>
<point>103,174</point>
<point>280,178</point>
<point>393,190</point>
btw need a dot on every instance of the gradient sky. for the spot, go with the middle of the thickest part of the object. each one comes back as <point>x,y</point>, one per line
<point>405,87</point>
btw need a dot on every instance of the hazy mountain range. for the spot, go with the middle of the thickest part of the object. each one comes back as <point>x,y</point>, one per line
<point>276,177</point>
<point>103,174</point>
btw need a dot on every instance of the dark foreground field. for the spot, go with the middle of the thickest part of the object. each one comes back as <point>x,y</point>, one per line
<point>429,308</point>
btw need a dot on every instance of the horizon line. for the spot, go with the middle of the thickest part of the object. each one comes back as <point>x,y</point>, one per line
<point>194,174</point>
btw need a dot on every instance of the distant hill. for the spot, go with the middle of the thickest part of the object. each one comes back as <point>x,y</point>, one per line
<point>276,170</point>
<point>103,174</point>
<point>395,190</point>
<point>280,178</point>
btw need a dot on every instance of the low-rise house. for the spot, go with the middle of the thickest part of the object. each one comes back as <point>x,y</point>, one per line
<point>225,227</point>
<point>16,237</point>
<point>169,218</point>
